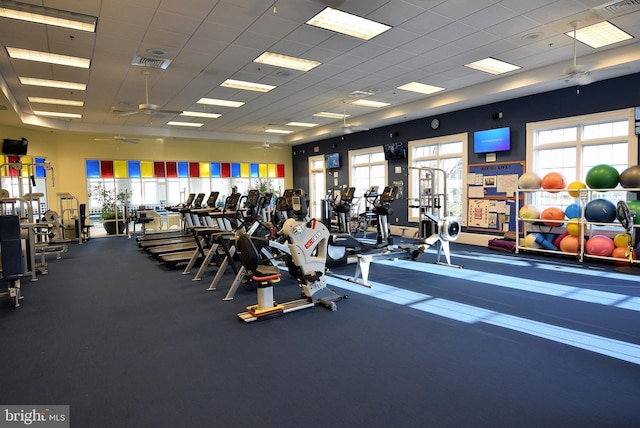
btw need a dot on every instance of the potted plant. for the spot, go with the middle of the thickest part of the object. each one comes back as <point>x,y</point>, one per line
<point>111,207</point>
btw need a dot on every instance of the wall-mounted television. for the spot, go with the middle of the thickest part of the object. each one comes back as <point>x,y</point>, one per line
<point>394,151</point>
<point>333,160</point>
<point>15,147</point>
<point>492,140</point>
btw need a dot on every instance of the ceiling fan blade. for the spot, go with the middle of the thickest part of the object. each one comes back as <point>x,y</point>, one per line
<point>584,79</point>
<point>128,113</point>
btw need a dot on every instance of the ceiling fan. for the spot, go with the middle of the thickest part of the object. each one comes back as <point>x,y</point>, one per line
<point>579,74</point>
<point>267,146</point>
<point>347,128</point>
<point>119,139</point>
<point>147,108</point>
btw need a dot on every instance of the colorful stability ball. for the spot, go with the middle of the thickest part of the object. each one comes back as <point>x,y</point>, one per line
<point>529,180</point>
<point>634,206</point>
<point>574,188</point>
<point>573,211</point>
<point>574,227</point>
<point>622,240</point>
<point>622,256</point>
<point>529,211</point>
<point>600,211</point>
<point>559,238</point>
<point>602,177</point>
<point>530,240</point>
<point>630,177</point>
<point>553,182</point>
<point>554,214</point>
<point>599,245</point>
<point>570,244</point>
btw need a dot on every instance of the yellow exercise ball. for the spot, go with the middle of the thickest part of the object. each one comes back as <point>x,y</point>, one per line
<point>574,228</point>
<point>622,240</point>
<point>574,188</point>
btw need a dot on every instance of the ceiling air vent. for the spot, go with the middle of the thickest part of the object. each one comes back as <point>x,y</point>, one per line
<point>617,8</point>
<point>150,62</point>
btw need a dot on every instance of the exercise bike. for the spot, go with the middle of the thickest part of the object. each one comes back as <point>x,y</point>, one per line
<point>305,243</point>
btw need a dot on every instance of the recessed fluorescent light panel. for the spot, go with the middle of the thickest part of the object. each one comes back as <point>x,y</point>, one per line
<point>48,16</point>
<point>56,101</point>
<point>57,114</point>
<point>221,103</point>
<point>187,124</point>
<point>492,66</point>
<point>201,114</point>
<point>369,103</point>
<point>49,58</point>
<point>52,83</point>
<point>331,115</point>
<point>247,86</point>
<point>346,23</point>
<point>302,124</point>
<point>285,61</point>
<point>277,131</point>
<point>600,34</point>
<point>421,88</point>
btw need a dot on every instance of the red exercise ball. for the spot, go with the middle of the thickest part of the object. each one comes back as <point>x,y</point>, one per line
<point>552,213</point>
<point>553,181</point>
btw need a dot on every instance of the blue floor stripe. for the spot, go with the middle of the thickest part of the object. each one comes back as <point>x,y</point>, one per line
<point>541,287</point>
<point>471,314</point>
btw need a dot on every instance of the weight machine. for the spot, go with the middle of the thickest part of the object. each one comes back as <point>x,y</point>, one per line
<point>430,202</point>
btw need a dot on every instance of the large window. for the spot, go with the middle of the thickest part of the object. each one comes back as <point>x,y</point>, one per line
<point>368,168</point>
<point>572,146</point>
<point>438,164</point>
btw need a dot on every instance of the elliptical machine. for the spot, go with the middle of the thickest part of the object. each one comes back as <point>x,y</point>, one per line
<point>343,245</point>
<point>383,209</point>
<point>342,208</point>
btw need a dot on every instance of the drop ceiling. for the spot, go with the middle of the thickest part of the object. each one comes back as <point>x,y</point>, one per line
<point>204,42</point>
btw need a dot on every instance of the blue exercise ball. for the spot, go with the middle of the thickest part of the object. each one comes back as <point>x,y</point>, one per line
<point>600,211</point>
<point>573,211</point>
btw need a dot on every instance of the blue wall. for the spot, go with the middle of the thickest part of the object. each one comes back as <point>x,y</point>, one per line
<point>612,94</point>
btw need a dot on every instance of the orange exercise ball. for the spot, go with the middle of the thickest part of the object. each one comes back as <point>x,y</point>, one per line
<point>622,256</point>
<point>570,244</point>
<point>553,182</point>
<point>552,213</point>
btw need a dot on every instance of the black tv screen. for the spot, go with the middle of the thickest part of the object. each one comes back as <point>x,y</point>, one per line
<point>15,147</point>
<point>492,140</point>
<point>394,151</point>
<point>333,160</point>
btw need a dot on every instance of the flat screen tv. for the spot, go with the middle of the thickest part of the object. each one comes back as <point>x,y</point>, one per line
<point>492,140</point>
<point>15,147</point>
<point>394,151</point>
<point>333,160</point>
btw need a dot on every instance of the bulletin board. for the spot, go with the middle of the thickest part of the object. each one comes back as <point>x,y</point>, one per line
<point>491,196</point>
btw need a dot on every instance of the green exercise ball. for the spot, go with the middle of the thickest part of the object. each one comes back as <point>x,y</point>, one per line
<point>602,177</point>
<point>634,206</point>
